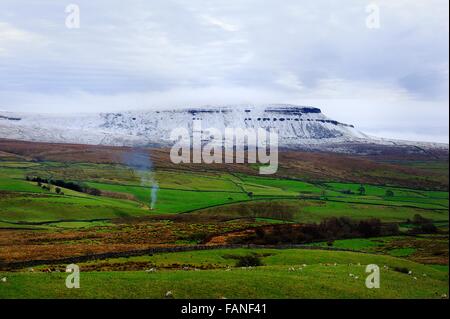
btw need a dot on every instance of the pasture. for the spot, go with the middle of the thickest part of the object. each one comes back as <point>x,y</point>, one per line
<point>25,202</point>
<point>289,273</point>
<point>39,222</point>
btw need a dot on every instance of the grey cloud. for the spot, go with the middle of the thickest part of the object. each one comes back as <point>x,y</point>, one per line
<point>143,53</point>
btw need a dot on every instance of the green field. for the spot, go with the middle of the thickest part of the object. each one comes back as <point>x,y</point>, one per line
<point>290,273</point>
<point>181,192</point>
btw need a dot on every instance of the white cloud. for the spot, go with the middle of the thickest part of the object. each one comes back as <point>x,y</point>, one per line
<point>10,34</point>
<point>220,23</point>
<point>11,38</point>
<point>289,81</point>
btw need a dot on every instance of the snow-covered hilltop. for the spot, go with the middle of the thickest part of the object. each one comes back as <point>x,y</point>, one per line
<point>297,126</point>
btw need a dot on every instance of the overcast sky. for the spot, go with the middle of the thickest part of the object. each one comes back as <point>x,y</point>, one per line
<point>390,81</point>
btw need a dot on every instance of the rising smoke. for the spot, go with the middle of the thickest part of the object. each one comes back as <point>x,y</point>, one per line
<point>140,161</point>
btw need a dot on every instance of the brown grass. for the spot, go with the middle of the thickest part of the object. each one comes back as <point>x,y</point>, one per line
<point>25,245</point>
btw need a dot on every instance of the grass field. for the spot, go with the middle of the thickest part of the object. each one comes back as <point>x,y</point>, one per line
<point>287,273</point>
<point>431,249</point>
<point>181,192</point>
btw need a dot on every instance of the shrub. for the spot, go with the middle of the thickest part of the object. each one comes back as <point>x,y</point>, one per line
<point>198,237</point>
<point>250,260</point>
<point>428,228</point>
<point>370,227</point>
<point>403,270</point>
<point>92,191</point>
<point>328,230</point>
<point>419,220</point>
<point>390,229</point>
<point>423,225</point>
<point>362,190</point>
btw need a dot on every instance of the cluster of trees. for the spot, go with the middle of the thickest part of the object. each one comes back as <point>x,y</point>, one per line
<point>422,225</point>
<point>61,183</point>
<point>328,230</point>
<point>362,191</point>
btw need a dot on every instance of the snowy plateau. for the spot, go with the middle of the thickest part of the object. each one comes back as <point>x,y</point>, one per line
<point>298,127</point>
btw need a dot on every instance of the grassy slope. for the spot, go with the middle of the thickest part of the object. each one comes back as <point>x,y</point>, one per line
<point>325,209</point>
<point>47,208</point>
<point>176,201</point>
<point>307,211</point>
<point>320,278</point>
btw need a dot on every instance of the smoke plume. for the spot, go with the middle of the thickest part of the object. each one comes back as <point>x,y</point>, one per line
<point>140,161</point>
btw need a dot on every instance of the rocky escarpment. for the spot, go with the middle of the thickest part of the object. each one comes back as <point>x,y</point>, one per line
<point>301,127</point>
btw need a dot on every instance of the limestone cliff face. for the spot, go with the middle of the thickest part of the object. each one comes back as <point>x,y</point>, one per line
<point>297,126</point>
